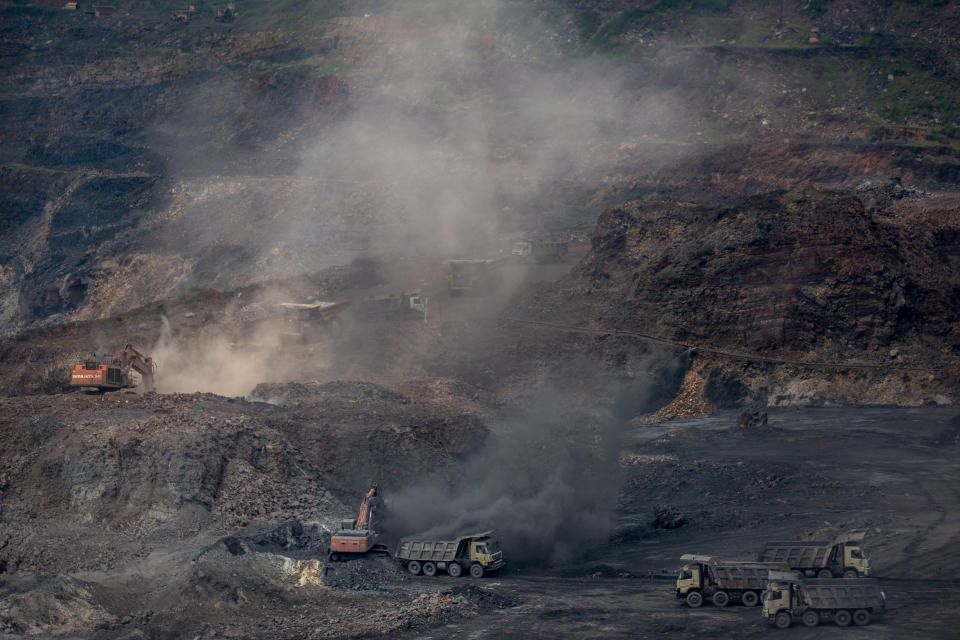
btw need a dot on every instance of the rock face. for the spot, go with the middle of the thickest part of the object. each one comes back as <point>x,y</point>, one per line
<point>800,274</point>
<point>139,159</point>
<point>156,466</point>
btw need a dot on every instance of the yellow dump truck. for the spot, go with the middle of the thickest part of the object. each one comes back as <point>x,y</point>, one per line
<point>842,557</point>
<point>722,581</point>
<point>478,553</point>
<point>788,597</point>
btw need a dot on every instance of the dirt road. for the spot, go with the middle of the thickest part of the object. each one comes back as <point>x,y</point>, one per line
<point>891,472</point>
<point>810,474</point>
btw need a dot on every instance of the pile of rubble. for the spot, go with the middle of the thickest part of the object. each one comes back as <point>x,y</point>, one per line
<point>367,574</point>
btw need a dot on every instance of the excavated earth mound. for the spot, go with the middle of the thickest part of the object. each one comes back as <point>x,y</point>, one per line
<point>868,276</point>
<point>137,470</point>
<point>98,491</point>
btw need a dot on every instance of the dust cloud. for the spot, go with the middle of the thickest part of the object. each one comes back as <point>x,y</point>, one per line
<point>547,479</point>
<point>460,126</point>
<point>211,362</point>
<point>473,124</point>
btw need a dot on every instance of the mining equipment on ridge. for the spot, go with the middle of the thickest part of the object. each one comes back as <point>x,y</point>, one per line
<point>109,373</point>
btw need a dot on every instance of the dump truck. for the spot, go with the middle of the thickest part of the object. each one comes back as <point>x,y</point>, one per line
<point>358,537</point>
<point>409,305</point>
<point>723,581</point>
<point>478,553</point>
<point>539,250</point>
<point>789,597</point>
<point>307,323</point>
<point>843,556</point>
<point>109,373</point>
<point>474,275</point>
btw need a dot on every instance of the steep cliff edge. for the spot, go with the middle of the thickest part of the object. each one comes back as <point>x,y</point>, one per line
<point>868,278</point>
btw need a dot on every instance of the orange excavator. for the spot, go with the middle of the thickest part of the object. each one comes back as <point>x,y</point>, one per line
<point>109,373</point>
<point>357,538</point>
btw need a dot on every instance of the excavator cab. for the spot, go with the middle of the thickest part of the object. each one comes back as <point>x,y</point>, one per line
<point>358,538</point>
<point>108,373</point>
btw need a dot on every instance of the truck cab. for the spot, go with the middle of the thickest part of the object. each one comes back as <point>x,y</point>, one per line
<point>849,556</point>
<point>857,558</point>
<point>779,596</point>
<point>486,552</point>
<point>690,579</point>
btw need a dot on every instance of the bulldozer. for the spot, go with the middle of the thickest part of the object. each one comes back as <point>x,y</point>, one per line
<point>101,373</point>
<point>358,538</point>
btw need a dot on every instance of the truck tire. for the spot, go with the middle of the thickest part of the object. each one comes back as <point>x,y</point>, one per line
<point>455,570</point>
<point>811,618</point>
<point>782,620</point>
<point>414,567</point>
<point>694,599</point>
<point>750,598</point>
<point>843,618</point>
<point>429,569</point>
<point>824,574</point>
<point>861,617</point>
<point>334,557</point>
<point>476,571</point>
<point>850,574</point>
<point>721,599</point>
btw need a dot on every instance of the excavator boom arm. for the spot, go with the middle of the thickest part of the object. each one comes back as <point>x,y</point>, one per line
<point>363,518</point>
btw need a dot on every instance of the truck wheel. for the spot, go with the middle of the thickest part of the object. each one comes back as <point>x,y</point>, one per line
<point>476,571</point>
<point>334,557</point>
<point>414,567</point>
<point>861,617</point>
<point>429,569</point>
<point>721,599</point>
<point>455,570</point>
<point>750,598</point>
<point>824,574</point>
<point>843,618</point>
<point>782,620</point>
<point>851,574</point>
<point>811,618</point>
<point>694,599</point>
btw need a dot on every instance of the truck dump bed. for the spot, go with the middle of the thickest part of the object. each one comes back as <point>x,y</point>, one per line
<point>859,593</point>
<point>741,575</point>
<point>797,554</point>
<point>433,550</point>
